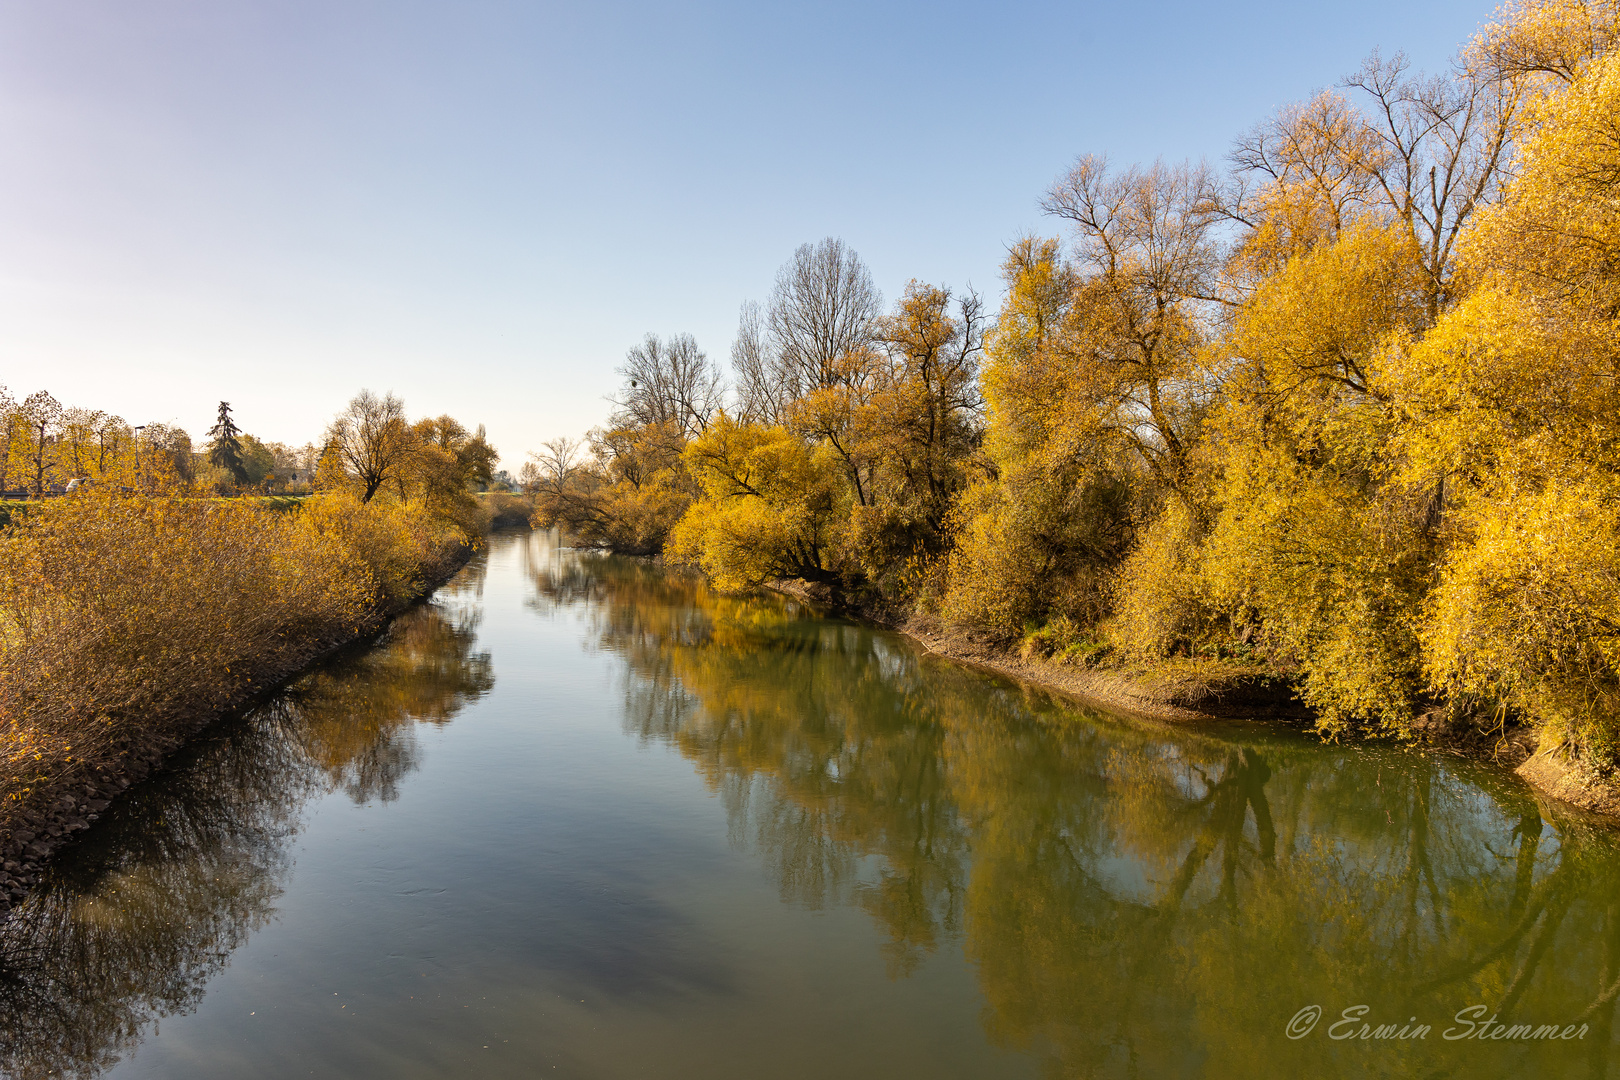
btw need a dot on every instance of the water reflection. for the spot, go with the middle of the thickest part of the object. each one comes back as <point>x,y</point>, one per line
<point>138,916</point>
<point>1132,900</point>
<point>1137,901</point>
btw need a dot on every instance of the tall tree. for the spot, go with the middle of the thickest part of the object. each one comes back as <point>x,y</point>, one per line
<point>1145,268</point>
<point>79,437</point>
<point>169,457</point>
<point>225,452</point>
<point>925,420</point>
<point>41,424</point>
<point>371,440</point>
<point>816,333</point>
<point>760,393</point>
<point>447,461</point>
<point>1425,155</point>
<point>1514,399</point>
<point>10,420</point>
<point>668,382</point>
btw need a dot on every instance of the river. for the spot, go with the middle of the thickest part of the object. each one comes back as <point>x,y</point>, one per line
<point>580,816</point>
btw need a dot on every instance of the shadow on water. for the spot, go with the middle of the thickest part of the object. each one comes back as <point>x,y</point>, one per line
<point>1136,899</point>
<point>134,919</point>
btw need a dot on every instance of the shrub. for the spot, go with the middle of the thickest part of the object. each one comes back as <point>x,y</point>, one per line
<point>1161,601</point>
<point>1334,569</point>
<point>125,618</point>
<point>1036,545</point>
<point>1527,615</point>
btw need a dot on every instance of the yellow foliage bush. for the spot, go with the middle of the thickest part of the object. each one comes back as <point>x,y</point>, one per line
<point>1032,547</point>
<point>772,507</point>
<point>1335,571</point>
<point>1528,614</point>
<point>125,618</point>
<point>992,582</point>
<point>401,545</point>
<point>1161,601</point>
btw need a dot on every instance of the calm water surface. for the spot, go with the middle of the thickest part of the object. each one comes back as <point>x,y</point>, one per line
<point>580,817</point>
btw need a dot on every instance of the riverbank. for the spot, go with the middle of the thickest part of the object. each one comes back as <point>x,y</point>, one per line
<point>129,624</point>
<point>1183,691</point>
<point>1187,691</point>
<point>34,828</point>
<point>1190,693</point>
<point>1199,691</point>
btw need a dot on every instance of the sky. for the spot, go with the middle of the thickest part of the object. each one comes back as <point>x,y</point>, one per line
<point>480,205</point>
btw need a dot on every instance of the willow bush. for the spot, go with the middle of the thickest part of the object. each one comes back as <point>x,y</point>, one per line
<point>126,619</point>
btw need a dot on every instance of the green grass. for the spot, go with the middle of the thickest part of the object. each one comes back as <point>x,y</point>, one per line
<point>11,509</point>
<point>284,503</point>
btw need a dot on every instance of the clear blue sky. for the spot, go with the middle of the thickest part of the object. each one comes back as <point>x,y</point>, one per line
<point>481,205</point>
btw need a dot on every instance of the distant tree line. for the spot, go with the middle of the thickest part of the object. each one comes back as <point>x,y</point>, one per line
<point>44,445</point>
<point>370,445</point>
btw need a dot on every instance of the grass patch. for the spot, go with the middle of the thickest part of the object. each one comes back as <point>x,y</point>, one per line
<point>12,510</point>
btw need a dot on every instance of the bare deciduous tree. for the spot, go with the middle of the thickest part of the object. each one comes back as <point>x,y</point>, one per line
<point>1446,144</point>
<point>818,332</point>
<point>552,467</point>
<point>41,422</point>
<point>371,439</point>
<point>822,313</point>
<point>1147,265</point>
<point>669,383</point>
<point>1424,154</point>
<point>760,398</point>
<point>1320,151</point>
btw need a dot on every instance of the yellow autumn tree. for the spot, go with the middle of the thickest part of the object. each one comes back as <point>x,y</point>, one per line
<point>1097,392</point>
<point>917,432</point>
<point>772,506</point>
<point>623,490</point>
<point>1313,544</point>
<point>1514,399</point>
<point>1040,531</point>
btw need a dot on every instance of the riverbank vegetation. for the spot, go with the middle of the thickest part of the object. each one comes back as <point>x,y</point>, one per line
<point>1344,410</point>
<point>130,616</point>
<point>121,943</point>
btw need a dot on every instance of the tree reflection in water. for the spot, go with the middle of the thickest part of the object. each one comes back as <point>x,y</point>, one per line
<point>1137,900</point>
<point>135,918</point>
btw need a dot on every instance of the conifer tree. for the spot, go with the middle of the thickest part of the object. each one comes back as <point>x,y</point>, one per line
<point>226,450</point>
